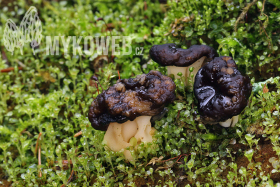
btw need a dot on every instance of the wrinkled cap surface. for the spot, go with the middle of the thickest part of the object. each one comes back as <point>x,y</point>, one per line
<point>170,55</point>
<point>221,90</point>
<point>147,94</point>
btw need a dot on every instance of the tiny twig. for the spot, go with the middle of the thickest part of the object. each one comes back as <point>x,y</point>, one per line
<point>119,74</point>
<point>97,87</point>
<point>243,13</point>
<point>178,114</point>
<point>71,177</point>
<point>263,5</point>
<point>9,69</point>
<point>39,160</point>
<point>37,143</point>
<point>79,133</point>
<point>22,131</point>
<point>96,80</point>
<point>180,156</point>
<point>262,27</point>
<point>38,147</point>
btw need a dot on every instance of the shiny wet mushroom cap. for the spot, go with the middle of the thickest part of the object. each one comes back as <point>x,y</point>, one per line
<point>170,55</point>
<point>147,94</point>
<point>221,90</point>
<point>180,60</point>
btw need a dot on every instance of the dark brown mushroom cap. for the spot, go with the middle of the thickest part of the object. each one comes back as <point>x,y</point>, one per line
<point>170,55</point>
<point>221,90</point>
<point>147,94</point>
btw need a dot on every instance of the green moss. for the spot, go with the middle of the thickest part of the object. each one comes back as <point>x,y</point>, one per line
<point>52,94</point>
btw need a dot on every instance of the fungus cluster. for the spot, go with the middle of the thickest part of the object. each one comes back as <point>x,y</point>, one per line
<point>180,60</point>
<point>222,91</point>
<point>125,109</point>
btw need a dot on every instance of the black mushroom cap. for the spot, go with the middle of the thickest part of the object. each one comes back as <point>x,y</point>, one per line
<point>221,90</point>
<point>147,94</point>
<point>170,55</point>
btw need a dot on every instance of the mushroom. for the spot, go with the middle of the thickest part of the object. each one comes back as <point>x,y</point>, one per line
<point>180,60</point>
<point>125,109</point>
<point>222,91</point>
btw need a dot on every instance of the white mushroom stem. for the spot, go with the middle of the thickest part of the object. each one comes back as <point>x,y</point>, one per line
<point>175,70</point>
<point>118,136</point>
<point>185,70</point>
<point>196,66</point>
<point>230,122</point>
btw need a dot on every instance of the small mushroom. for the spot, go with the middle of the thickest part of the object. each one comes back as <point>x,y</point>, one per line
<point>125,109</point>
<point>180,60</point>
<point>222,91</point>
